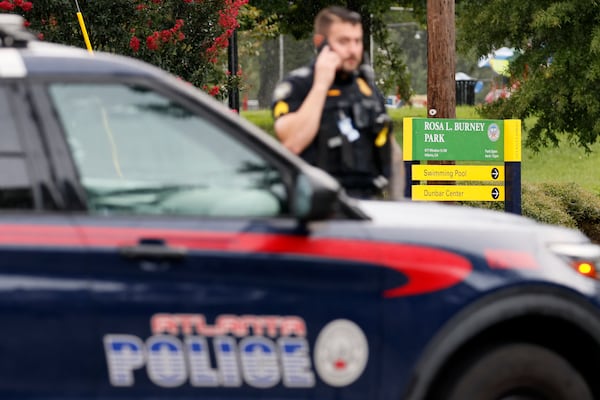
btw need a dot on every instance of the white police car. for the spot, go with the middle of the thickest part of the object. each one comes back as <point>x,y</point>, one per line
<point>154,245</point>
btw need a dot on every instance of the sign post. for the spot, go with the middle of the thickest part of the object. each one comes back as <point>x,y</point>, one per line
<point>494,146</point>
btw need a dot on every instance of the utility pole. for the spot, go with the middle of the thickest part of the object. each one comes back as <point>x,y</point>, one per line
<point>441,59</point>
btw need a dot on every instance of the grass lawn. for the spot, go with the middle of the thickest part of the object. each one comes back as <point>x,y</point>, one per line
<point>566,163</point>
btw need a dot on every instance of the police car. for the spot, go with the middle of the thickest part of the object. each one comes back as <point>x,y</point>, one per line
<point>154,245</point>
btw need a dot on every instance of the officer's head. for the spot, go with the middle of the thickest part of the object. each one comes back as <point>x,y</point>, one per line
<point>342,29</point>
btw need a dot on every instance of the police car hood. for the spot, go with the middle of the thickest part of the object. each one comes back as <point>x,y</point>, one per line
<point>424,216</point>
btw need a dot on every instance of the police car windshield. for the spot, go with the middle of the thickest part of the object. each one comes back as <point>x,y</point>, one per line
<point>138,151</point>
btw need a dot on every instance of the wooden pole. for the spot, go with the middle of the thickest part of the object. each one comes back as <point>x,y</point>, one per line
<point>441,66</point>
<point>441,59</point>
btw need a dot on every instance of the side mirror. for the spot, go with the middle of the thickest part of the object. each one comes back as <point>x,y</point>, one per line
<point>315,195</point>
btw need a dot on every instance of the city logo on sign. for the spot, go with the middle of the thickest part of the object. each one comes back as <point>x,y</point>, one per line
<point>493,132</point>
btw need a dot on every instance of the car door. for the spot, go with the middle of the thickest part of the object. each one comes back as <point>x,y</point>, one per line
<point>202,282</point>
<point>44,293</point>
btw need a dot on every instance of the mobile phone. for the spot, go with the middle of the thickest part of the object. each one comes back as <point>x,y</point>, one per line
<point>322,46</point>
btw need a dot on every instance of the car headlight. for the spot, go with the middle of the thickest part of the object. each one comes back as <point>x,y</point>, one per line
<point>582,257</point>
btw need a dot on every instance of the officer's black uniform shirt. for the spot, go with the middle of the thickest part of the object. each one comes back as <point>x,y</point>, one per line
<point>353,142</point>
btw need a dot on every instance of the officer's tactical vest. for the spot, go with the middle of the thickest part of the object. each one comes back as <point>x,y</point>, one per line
<point>346,142</point>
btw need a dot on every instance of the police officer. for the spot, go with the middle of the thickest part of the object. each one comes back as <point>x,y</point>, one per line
<point>331,113</point>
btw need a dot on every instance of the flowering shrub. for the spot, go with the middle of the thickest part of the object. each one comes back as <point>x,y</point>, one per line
<point>185,37</point>
<point>16,4</point>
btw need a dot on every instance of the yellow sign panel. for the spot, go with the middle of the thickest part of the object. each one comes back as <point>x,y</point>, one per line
<point>457,193</point>
<point>512,140</point>
<point>457,173</point>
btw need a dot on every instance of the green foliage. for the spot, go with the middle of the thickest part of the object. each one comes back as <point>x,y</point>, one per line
<point>188,38</point>
<point>582,205</point>
<point>392,71</point>
<point>557,74</point>
<point>540,205</point>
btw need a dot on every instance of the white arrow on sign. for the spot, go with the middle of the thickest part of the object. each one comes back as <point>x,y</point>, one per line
<point>495,173</point>
<point>495,193</point>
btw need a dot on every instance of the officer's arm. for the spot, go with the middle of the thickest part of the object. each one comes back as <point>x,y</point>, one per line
<point>297,129</point>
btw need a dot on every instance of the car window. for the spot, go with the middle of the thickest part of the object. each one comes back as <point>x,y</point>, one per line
<point>15,182</point>
<point>139,152</point>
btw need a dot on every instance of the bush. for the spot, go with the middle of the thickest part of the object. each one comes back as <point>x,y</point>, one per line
<point>537,204</point>
<point>582,206</point>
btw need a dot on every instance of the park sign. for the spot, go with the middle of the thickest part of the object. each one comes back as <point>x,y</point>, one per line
<point>436,139</point>
<point>488,153</point>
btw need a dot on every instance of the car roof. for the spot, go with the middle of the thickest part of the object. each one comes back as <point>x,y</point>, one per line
<point>40,58</point>
<point>23,55</point>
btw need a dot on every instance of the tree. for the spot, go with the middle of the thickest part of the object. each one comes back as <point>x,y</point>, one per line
<point>556,75</point>
<point>185,37</point>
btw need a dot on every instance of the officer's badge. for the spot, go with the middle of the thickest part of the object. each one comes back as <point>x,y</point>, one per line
<point>282,91</point>
<point>364,87</point>
<point>281,108</point>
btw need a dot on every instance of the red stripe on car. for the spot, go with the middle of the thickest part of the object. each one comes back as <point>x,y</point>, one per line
<point>427,269</point>
<point>510,259</point>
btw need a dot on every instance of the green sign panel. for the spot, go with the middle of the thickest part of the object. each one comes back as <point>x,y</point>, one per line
<point>435,139</point>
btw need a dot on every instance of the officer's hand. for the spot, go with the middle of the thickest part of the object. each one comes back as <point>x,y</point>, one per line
<point>328,62</point>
